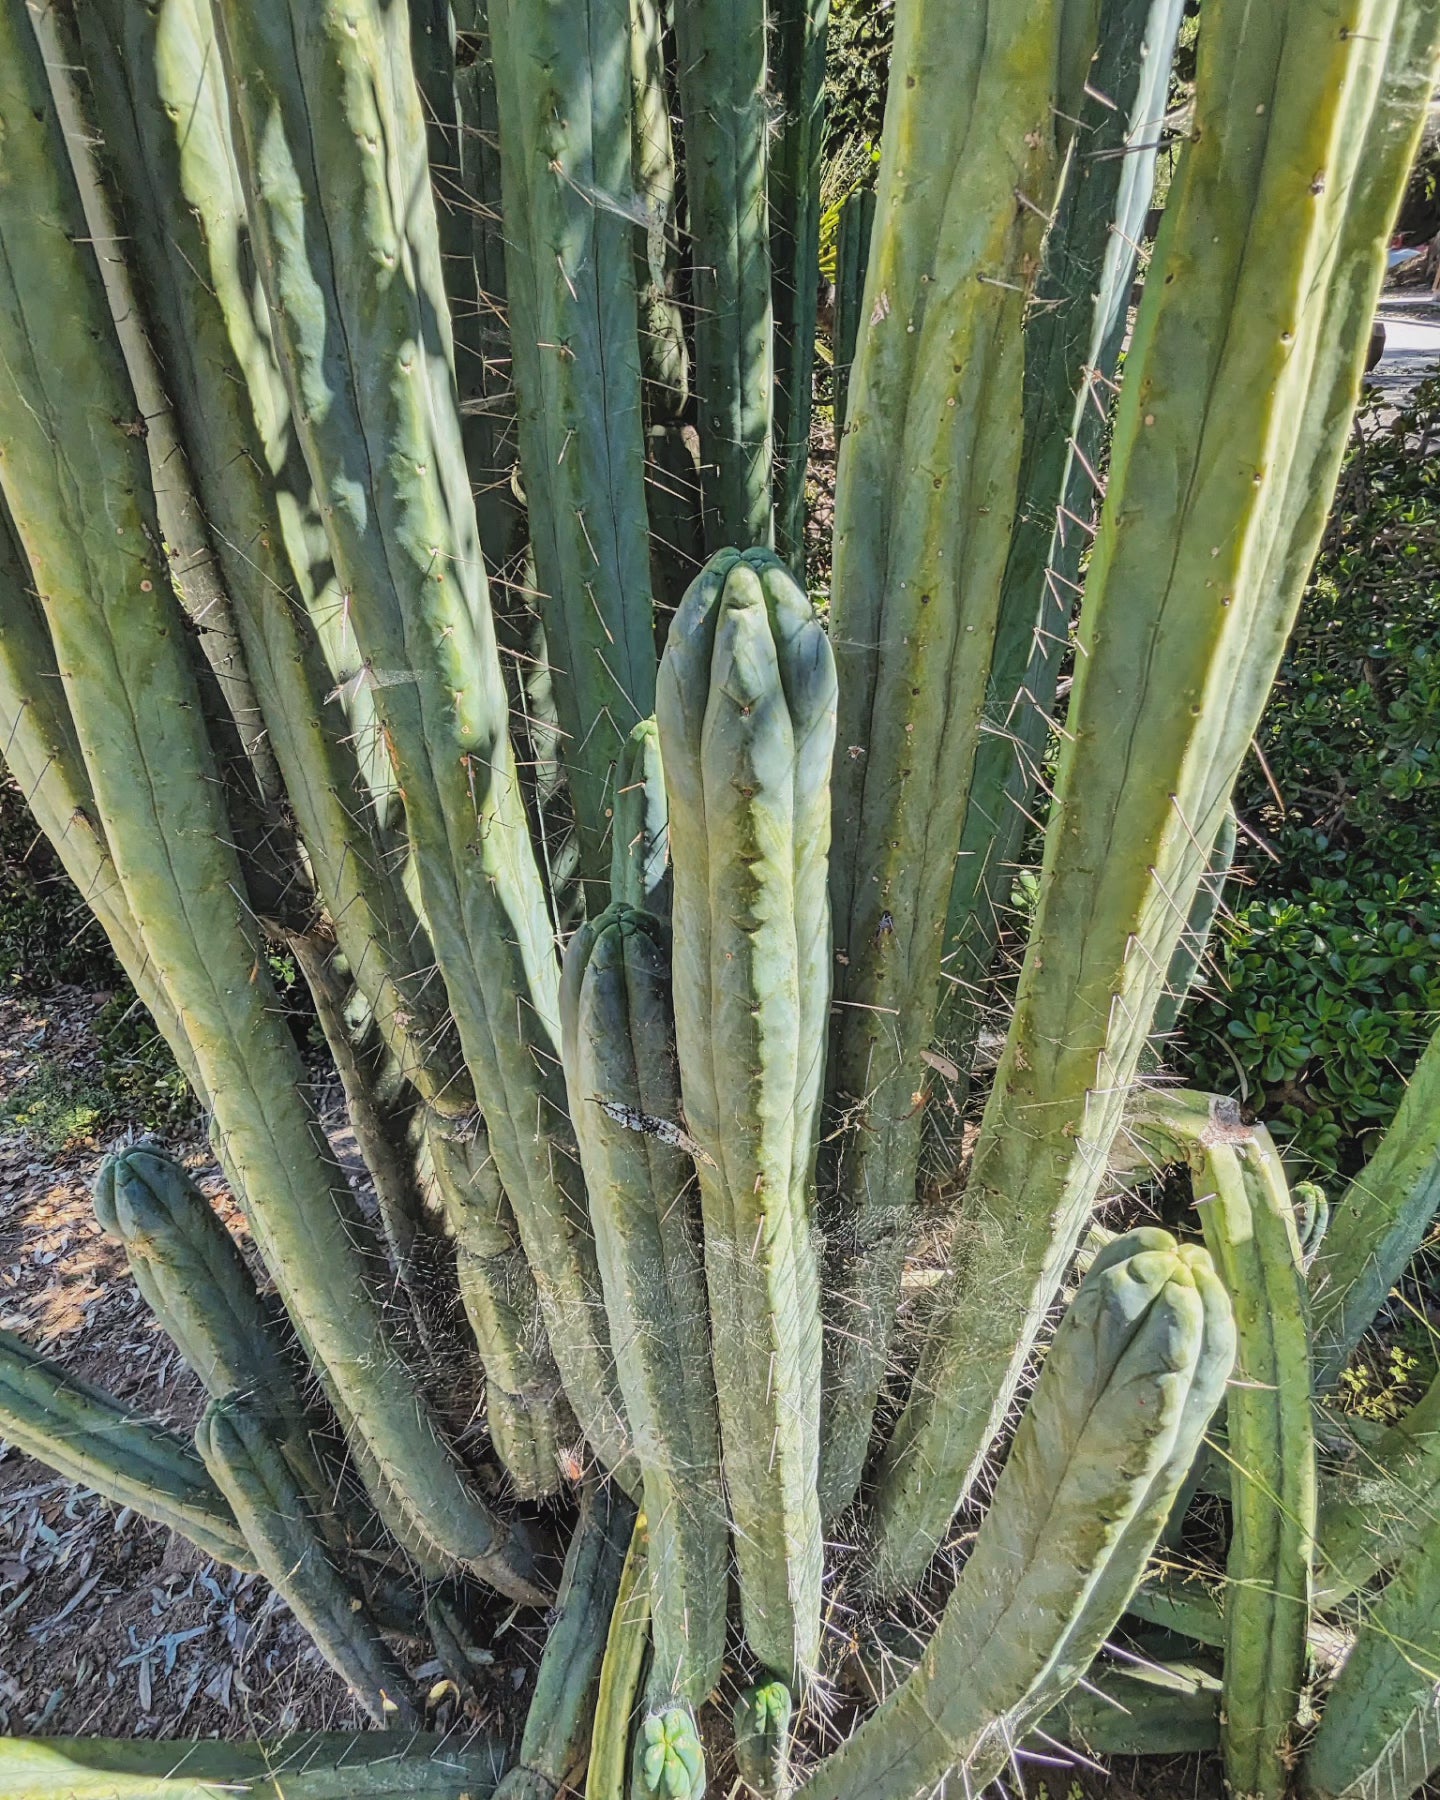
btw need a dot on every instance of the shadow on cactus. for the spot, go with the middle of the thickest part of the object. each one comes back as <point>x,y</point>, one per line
<point>395,576</point>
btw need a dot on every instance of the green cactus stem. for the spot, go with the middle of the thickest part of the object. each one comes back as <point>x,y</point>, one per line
<point>556,1745</point>
<point>1137,1367</point>
<point>386,461</point>
<point>565,153</point>
<point>1380,1504</point>
<point>245,1459</point>
<point>1225,454</point>
<point>925,503</point>
<point>70,461</point>
<point>403,1765</point>
<point>1150,1709</point>
<point>1378,1223</point>
<point>1244,1206</point>
<point>1072,346</point>
<point>1379,1735</point>
<point>1189,952</point>
<point>722,65</point>
<point>94,1440</point>
<point>669,1757</point>
<point>624,1082</point>
<point>1173,1603</point>
<point>620,1674</point>
<point>746,708</point>
<point>852,257</point>
<point>797,79</point>
<point>761,1721</point>
<point>640,826</point>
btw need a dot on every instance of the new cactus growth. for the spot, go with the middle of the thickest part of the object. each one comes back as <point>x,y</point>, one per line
<point>746,707</point>
<point>762,1738</point>
<point>669,1758</point>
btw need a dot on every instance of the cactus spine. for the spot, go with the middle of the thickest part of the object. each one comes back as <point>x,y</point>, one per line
<point>1132,833</point>
<point>92,1439</point>
<point>746,707</point>
<point>1137,1367</point>
<point>624,1093</point>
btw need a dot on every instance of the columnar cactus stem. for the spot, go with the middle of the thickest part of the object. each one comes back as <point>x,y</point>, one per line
<point>385,458</point>
<point>746,708</point>
<point>762,1719</point>
<point>1072,345</point>
<point>624,1083</point>
<point>311,1765</point>
<point>1137,1367</point>
<point>797,79</point>
<point>1249,1224</point>
<point>1385,1501</point>
<point>243,1456</point>
<point>852,258</point>
<point>722,67</point>
<point>620,1674</point>
<point>1152,1709</point>
<point>924,507</point>
<point>91,1439</point>
<point>640,827</point>
<point>77,485</point>
<point>1225,454</point>
<point>1378,1223</point>
<point>556,1745</point>
<point>1189,952</point>
<point>1379,1735</point>
<point>565,152</point>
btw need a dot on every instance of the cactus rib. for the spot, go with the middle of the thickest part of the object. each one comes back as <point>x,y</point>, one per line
<point>620,1673</point>
<point>94,1440</point>
<point>1137,1367</point>
<point>746,708</point>
<point>621,1067</point>
<point>1233,517</point>
<point>640,827</point>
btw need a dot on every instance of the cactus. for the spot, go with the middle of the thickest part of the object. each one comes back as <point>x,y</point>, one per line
<point>640,825</point>
<point>92,1439</point>
<point>762,1739</point>
<point>1130,837</point>
<point>625,1099</point>
<point>669,1758</point>
<point>1244,1205</point>
<point>445,729</point>
<point>309,1766</point>
<point>1379,1223</point>
<point>1382,1505</point>
<point>239,1448</point>
<point>1136,1369</point>
<point>852,256</point>
<point>924,506</point>
<point>1379,1734</point>
<point>746,708</point>
<point>1190,950</point>
<point>1153,1709</point>
<point>620,1673</point>
<point>565,152</point>
<point>723,70</point>
<point>556,1744</point>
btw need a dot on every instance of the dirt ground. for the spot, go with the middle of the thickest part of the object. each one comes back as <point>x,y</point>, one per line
<point>109,1625</point>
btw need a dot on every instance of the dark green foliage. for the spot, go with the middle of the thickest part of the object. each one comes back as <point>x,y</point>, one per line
<point>1325,978</point>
